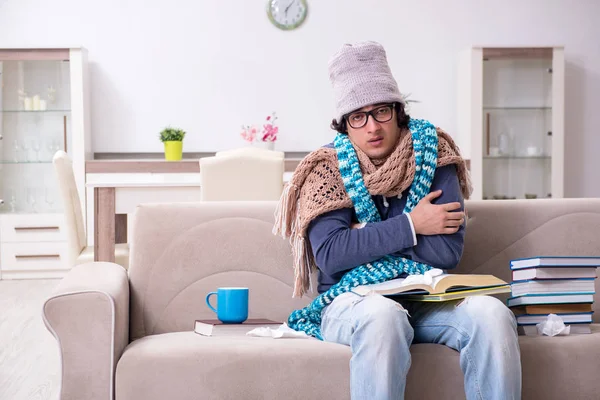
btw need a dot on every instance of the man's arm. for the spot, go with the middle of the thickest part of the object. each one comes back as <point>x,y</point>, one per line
<point>337,247</point>
<point>444,250</point>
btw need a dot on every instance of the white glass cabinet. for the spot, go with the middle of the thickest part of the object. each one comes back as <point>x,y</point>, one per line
<point>43,108</point>
<point>511,121</point>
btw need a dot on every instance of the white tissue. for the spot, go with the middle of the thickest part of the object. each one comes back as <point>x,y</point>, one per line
<point>553,326</point>
<point>426,278</point>
<point>283,331</point>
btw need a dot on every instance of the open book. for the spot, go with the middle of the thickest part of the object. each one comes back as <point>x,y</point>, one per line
<point>440,284</point>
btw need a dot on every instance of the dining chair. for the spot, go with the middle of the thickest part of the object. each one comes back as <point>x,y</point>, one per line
<point>78,251</point>
<point>251,150</point>
<point>241,176</point>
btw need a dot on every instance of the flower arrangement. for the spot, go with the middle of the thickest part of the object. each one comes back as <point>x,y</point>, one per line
<point>268,133</point>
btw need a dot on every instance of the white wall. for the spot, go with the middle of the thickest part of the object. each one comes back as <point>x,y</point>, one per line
<point>211,66</point>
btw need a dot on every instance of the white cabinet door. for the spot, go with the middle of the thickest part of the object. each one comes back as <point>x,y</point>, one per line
<point>44,107</point>
<point>511,121</point>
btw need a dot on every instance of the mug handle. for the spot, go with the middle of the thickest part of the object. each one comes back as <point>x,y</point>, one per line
<point>208,301</point>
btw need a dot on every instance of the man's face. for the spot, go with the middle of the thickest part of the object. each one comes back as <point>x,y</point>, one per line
<point>376,139</point>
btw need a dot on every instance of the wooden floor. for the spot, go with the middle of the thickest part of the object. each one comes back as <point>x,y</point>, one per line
<point>29,360</point>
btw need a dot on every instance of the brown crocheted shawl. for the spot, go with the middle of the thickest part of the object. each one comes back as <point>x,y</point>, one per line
<point>316,187</point>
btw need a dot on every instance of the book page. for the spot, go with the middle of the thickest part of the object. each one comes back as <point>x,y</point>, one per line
<point>442,283</point>
<point>437,280</point>
<point>392,286</point>
<point>439,284</point>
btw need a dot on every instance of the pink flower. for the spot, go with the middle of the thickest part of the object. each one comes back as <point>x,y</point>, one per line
<point>249,133</point>
<point>268,133</point>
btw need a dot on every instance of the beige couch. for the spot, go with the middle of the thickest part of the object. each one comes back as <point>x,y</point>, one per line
<point>129,334</point>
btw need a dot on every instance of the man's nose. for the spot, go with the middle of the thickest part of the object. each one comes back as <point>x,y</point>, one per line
<point>372,124</point>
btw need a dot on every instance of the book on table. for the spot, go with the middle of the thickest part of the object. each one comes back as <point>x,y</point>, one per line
<point>554,261</point>
<point>214,327</point>
<point>442,288</point>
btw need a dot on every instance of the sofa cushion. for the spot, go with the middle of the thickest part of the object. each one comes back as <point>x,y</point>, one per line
<point>499,231</point>
<point>181,252</point>
<point>185,365</point>
<point>561,367</point>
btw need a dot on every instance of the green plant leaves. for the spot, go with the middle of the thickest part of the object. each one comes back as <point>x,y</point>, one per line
<point>172,134</point>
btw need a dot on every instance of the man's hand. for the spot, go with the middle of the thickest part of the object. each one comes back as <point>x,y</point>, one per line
<point>436,219</point>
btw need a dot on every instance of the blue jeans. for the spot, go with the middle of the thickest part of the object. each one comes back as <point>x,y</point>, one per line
<point>380,332</point>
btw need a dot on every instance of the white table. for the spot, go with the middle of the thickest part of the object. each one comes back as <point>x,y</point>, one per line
<point>116,194</point>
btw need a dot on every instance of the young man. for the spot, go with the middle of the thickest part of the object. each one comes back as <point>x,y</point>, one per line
<point>325,232</point>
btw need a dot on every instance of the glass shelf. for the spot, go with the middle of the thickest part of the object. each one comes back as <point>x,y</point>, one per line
<point>516,108</point>
<point>35,111</point>
<point>516,157</point>
<point>24,162</point>
<point>5,209</point>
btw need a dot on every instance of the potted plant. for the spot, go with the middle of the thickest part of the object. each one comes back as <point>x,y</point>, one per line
<point>173,140</point>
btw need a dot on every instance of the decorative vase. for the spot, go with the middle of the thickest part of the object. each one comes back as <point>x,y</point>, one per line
<point>173,150</point>
<point>265,145</point>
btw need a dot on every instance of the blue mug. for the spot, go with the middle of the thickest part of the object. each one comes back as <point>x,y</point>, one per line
<point>232,304</point>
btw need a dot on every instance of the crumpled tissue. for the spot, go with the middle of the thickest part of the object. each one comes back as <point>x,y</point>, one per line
<point>283,331</point>
<point>553,326</point>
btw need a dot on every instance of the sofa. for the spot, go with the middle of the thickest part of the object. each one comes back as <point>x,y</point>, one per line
<point>129,334</point>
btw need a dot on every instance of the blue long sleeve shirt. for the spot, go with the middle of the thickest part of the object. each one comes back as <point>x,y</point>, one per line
<point>338,248</point>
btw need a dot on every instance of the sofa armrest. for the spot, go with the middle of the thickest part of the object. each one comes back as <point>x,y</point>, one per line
<point>88,314</point>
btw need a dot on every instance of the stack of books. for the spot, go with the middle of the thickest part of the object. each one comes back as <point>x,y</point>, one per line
<point>564,286</point>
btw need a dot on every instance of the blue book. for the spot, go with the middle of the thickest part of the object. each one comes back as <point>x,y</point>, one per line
<point>573,318</point>
<point>553,272</point>
<point>554,261</point>
<point>553,286</point>
<point>550,299</point>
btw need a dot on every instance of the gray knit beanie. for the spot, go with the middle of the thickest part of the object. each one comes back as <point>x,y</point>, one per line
<point>360,76</point>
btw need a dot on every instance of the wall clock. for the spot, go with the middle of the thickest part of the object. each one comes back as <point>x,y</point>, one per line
<point>287,14</point>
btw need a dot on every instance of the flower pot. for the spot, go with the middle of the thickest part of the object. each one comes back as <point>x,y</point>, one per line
<point>173,150</point>
<point>265,145</point>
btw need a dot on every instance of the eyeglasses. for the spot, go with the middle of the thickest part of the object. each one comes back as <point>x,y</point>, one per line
<point>380,114</point>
